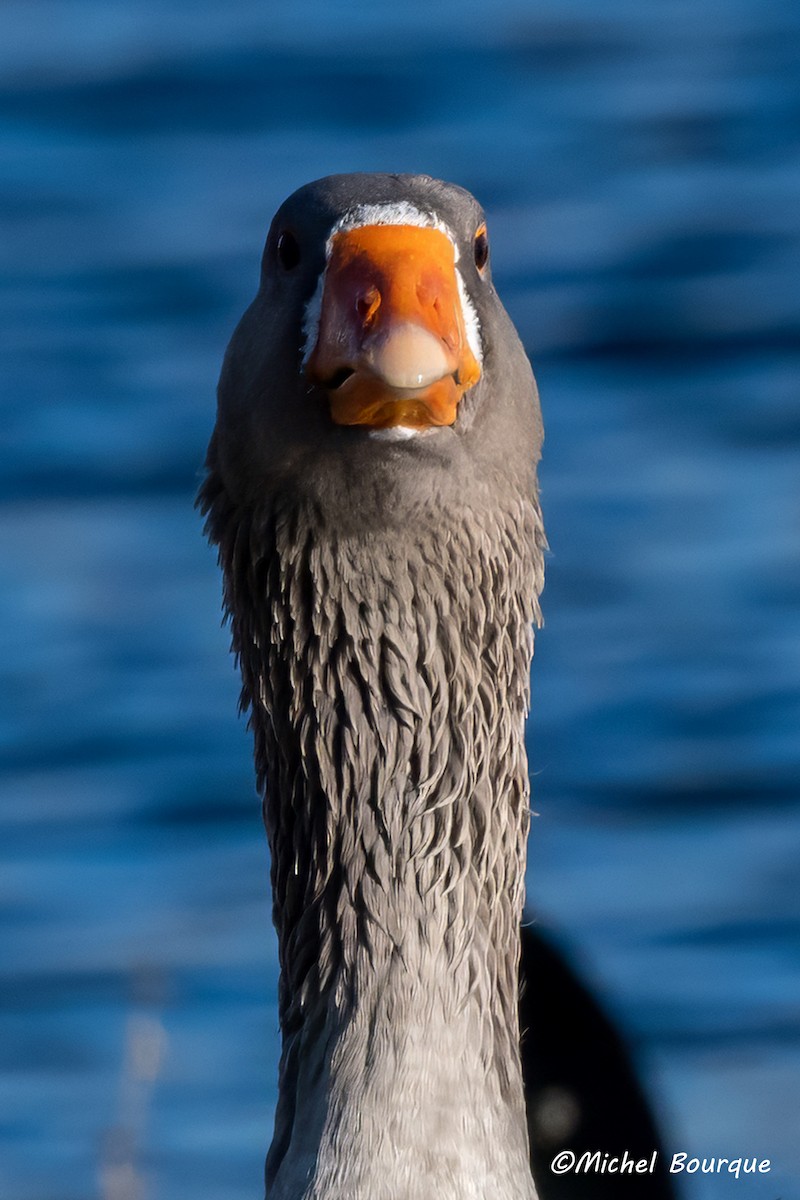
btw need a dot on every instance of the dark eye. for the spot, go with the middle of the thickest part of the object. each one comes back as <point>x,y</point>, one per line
<point>481,248</point>
<point>288,250</point>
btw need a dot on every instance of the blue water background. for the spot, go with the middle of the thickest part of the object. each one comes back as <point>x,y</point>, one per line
<point>640,164</point>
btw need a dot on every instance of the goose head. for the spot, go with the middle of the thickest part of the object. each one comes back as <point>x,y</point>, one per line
<point>376,368</point>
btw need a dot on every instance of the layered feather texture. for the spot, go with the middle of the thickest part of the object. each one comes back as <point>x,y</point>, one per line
<point>387,679</point>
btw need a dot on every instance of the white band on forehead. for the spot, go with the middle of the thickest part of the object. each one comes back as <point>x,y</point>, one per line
<point>402,212</point>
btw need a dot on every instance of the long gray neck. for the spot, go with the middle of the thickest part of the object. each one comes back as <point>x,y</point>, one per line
<point>388,680</point>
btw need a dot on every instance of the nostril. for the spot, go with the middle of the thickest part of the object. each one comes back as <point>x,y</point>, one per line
<point>446,323</point>
<point>428,297</point>
<point>368,304</point>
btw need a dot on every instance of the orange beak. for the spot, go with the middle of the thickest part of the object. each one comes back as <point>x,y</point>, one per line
<point>392,346</point>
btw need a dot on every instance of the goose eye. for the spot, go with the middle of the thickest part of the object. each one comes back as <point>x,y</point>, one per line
<point>481,248</point>
<point>288,250</point>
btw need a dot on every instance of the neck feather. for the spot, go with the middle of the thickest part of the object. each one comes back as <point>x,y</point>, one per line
<point>387,677</point>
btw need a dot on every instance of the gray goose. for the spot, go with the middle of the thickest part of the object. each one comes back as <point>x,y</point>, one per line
<point>371,487</point>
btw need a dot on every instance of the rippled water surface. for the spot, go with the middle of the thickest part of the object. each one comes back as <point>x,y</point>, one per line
<point>640,165</point>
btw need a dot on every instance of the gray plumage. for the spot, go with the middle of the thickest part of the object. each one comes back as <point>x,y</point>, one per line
<point>381,597</point>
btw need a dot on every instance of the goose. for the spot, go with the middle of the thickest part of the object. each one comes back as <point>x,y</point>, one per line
<point>371,487</point>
